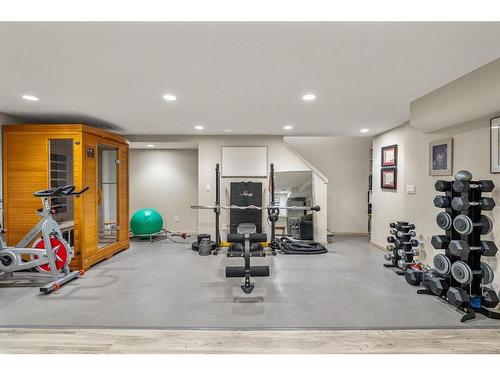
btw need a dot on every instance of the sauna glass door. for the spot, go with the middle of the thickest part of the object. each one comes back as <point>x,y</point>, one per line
<point>107,201</point>
<point>61,174</point>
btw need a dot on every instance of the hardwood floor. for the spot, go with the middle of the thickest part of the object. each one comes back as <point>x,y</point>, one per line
<point>17,340</point>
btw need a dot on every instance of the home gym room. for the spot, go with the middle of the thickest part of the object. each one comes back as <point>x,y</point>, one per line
<point>167,184</point>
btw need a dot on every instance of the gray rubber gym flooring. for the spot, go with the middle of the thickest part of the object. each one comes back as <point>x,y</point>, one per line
<point>165,285</point>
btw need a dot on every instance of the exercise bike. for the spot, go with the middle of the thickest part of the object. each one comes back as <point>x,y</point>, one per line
<point>50,255</point>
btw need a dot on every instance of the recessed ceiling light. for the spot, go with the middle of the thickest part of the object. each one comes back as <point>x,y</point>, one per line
<point>199,127</point>
<point>31,98</point>
<point>288,127</point>
<point>308,97</point>
<point>227,130</point>
<point>364,130</point>
<point>169,98</point>
<point>151,146</point>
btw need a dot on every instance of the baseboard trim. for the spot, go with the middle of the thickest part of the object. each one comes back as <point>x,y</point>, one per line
<point>350,233</point>
<point>377,245</point>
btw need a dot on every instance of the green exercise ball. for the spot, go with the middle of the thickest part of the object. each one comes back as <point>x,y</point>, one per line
<point>145,222</point>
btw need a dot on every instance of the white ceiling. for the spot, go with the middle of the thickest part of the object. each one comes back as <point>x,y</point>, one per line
<point>246,77</point>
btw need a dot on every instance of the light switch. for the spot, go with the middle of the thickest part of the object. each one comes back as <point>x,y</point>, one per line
<point>207,187</point>
<point>411,189</point>
<point>176,219</point>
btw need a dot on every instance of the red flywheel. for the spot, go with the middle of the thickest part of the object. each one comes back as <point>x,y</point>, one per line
<point>61,250</point>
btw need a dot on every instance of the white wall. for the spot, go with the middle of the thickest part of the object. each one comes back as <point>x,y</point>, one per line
<point>387,205</point>
<point>470,152</point>
<point>345,162</point>
<point>166,180</point>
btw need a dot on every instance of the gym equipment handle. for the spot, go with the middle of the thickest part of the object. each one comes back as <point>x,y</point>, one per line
<point>49,192</point>
<point>252,207</point>
<point>254,237</point>
<point>255,271</point>
<point>60,191</point>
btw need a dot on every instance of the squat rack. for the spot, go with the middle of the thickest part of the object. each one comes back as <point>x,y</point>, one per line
<point>217,205</point>
<point>272,209</point>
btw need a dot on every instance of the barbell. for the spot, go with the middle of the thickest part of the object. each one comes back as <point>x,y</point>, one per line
<point>252,207</point>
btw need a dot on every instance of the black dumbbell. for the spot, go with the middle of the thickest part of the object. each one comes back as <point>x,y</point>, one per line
<point>434,282</point>
<point>413,243</point>
<point>413,252</point>
<point>486,186</point>
<point>488,274</point>
<point>413,276</point>
<point>440,242</point>
<point>457,297</point>
<point>398,233</point>
<point>464,224</point>
<point>461,203</point>
<point>442,201</point>
<point>391,239</point>
<point>401,227</point>
<point>411,233</point>
<point>390,247</point>
<point>462,248</point>
<point>443,220</point>
<point>490,298</point>
<point>404,265</point>
<point>388,256</point>
<point>441,185</point>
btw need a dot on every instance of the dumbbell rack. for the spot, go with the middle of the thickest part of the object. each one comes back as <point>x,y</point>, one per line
<point>474,301</point>
<point>400,246</point>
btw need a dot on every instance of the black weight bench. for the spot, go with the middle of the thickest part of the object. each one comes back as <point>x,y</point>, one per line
<point>247,271</point>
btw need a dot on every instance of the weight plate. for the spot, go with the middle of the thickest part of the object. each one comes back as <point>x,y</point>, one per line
<point>60,249</point>
<point>486,224</point>
<point>461,272</point>
<point>196,246</point>
<point>463,224</point>
<point>443,220</point>
<point>442,264</point>
<point>488,274</point>
<point>202,236</point>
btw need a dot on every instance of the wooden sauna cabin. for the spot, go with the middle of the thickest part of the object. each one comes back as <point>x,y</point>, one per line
<point>41,156</point>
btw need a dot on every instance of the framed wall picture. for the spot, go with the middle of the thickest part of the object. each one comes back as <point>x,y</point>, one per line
<point>495,145</point>
<point>441,157</point>
<point>389,156</point>
<point>389,178</point>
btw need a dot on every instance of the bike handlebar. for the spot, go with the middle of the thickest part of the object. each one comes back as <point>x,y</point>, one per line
<point>60,191</point>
